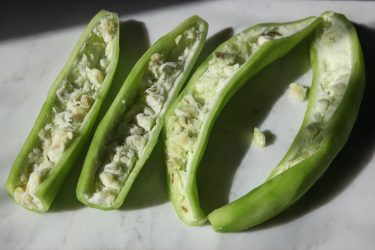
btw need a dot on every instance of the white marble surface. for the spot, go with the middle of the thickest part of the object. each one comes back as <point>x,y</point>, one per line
<point>338,213</point>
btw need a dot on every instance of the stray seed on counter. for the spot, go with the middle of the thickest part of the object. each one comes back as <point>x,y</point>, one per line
<point>259,138</point>
<point>298,92</point>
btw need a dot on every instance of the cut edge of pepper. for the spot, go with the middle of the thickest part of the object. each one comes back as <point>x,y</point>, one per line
<point>43,194</point>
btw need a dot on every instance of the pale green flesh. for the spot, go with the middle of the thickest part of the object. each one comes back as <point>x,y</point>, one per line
<point>193,109</point>
<point>338,79</point>
<point>128,142</point>
<point>76,95</point>
<point>335,66</point>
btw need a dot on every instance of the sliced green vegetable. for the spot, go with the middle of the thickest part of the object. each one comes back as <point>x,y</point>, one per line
<point>335,97</point>
<point>130,129</point>
<point>191,117</point>
<point>67,116</point>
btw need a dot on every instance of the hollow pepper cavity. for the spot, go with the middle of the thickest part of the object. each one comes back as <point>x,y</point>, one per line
<point>191,117</point>
<point>129,131</point>
<point>334,100</point>
<point>67,116</point>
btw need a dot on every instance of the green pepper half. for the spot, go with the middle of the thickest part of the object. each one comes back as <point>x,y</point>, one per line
<point>129,131</point>
<point>191,117</point>
<point>335,97</point>
<point>67,116</point>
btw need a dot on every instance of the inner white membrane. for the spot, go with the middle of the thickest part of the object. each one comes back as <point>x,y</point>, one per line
<point>128,142</point>
<point>193,109</point>
<point>76,95</point>
<point>334,53</point>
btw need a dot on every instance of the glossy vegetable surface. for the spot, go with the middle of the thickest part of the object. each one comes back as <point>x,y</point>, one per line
<point>190,120</point>
<point>130,129</point>
<point>67,116</point>
<point>335,97</point>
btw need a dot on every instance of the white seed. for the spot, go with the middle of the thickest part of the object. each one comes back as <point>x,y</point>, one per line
<point>110,180</point>
<point>259,138</point>
<point>95,75</point>
<point>297,91</point>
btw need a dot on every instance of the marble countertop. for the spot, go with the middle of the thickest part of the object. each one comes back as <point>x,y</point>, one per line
<point>337,213</point>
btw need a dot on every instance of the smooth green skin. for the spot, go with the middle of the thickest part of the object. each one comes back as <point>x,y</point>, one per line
<point>48,189</point>
<point>281,191</point>
<point>266,54</point>
<point>127,93</point>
